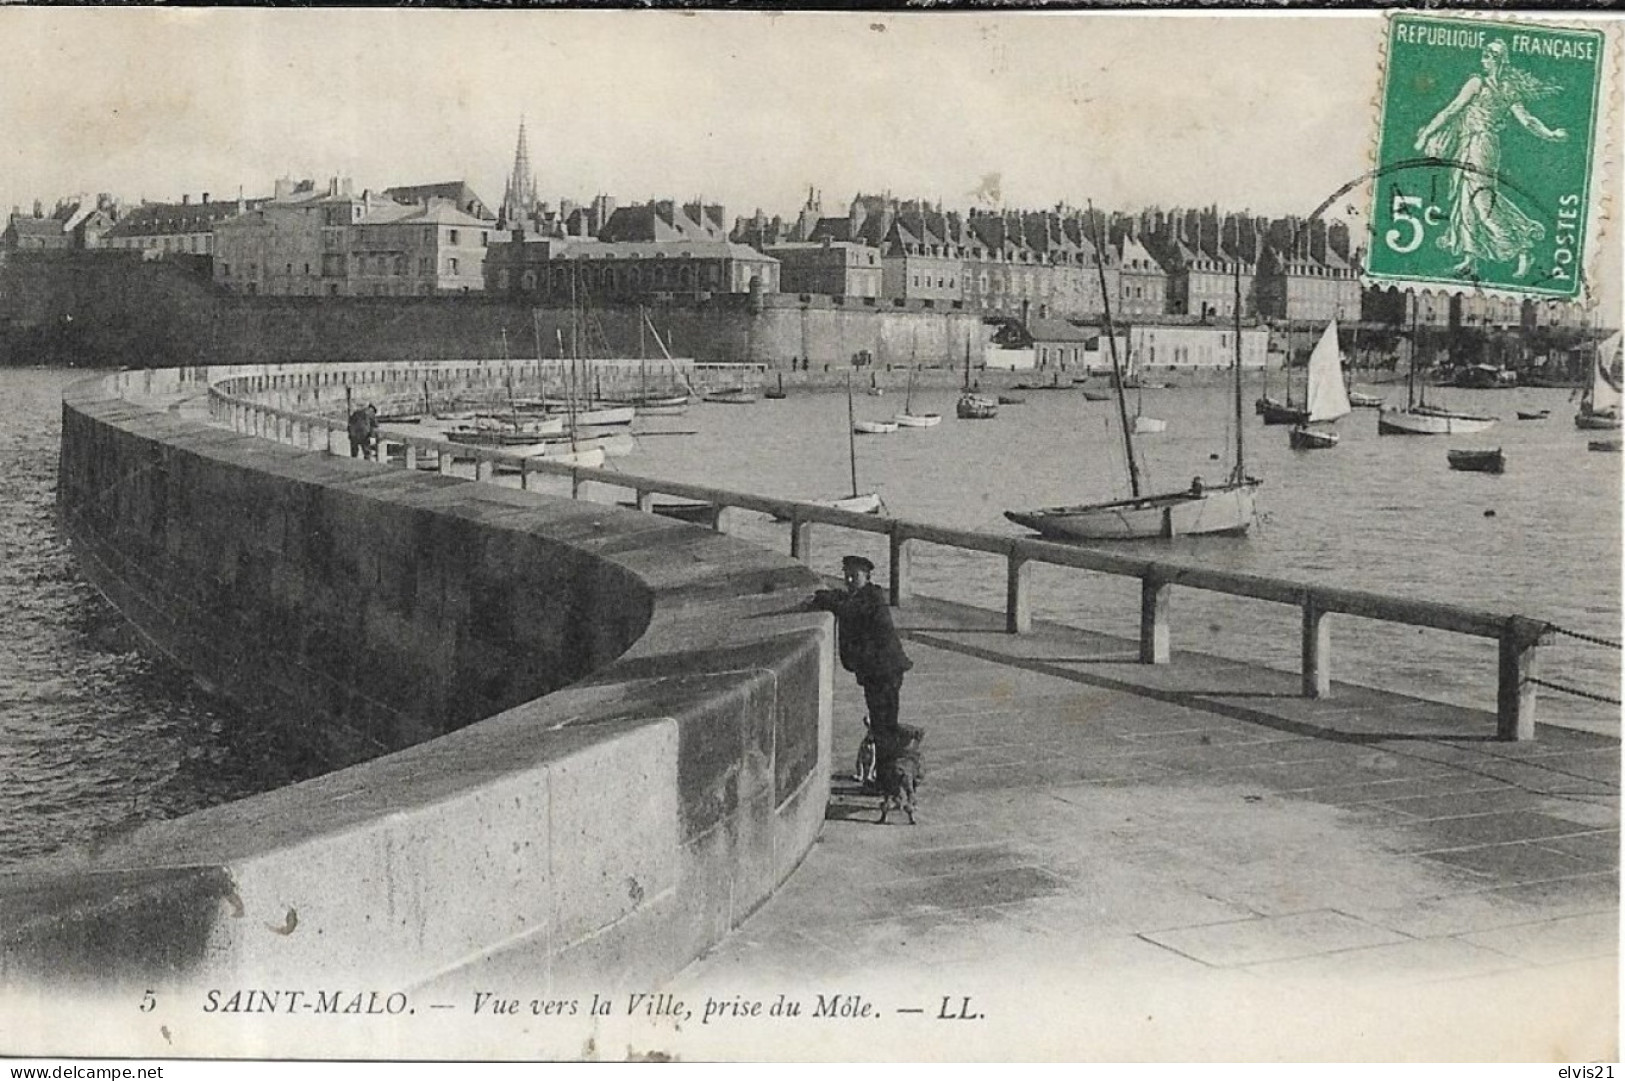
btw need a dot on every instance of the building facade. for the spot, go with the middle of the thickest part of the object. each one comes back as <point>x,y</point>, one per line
<point>184,228</point>
<point>833,267</point>
<point>307,242</point>
<point>1171,344</point>
<point>560,271</point>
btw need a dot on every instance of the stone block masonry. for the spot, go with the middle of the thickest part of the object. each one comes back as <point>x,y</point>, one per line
<point>574,739</point>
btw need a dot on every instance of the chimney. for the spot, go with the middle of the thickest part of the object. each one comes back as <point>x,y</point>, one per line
<point>205,198</point>
<point>186,199</point>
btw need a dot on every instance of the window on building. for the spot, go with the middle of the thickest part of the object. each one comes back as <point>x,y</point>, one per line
<point>451,265</point>
<point>452,236</point>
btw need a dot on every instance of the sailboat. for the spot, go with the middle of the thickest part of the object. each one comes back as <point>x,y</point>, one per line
<point>1325,397</point>
<point>973,406</point>
<point>1220,509</point>
<point>910,419</point>
<point>1420,418</point>
<point>646,402</point>
<point>1599,407</point>
<point>1144,425</point>
<point>858,502</point>
<point>1273,410</point>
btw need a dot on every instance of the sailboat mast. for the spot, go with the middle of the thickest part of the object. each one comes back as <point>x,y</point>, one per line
<point>1241,447</point>
<point>851,434</point>
<point>1410,374</point>
<point>1117,368</point>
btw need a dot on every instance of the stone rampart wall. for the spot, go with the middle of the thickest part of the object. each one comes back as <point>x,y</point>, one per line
<point>579,741</point>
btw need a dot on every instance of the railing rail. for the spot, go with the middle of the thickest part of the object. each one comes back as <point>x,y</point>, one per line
<point>1519,637</point>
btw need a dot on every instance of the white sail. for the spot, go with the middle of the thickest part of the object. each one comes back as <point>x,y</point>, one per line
<point>1328,397</point>
<point>1605,392</point>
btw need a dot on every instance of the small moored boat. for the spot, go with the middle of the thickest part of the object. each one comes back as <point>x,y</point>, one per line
<point>731,396</point>
<point>910,419</point>
<point>1478,461</point>
<point>1534,414</point>
<point>875,427</point>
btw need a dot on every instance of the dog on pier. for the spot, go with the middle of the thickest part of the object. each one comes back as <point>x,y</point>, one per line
<point>889,766</point>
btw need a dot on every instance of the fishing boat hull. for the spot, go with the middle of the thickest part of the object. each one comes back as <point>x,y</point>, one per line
<point>610,417</point>
<point>521,443</point>
<point>685,511</point>
<point>1096,396</point>
<point>1227,510</point>
<point>1365,401</point>
<point>976,407</point>
<point>875,427</point>
<point>656,405</point>
<point>1275,412</point>
<point>862,503</point>
<point>1597,422</point>
<point>917,420</point>
<point>1303,438</point>
<point>731,397</point>
<point>1477,461</point>
<point>1534,414</point>
<point>1429,422</point>
<point>1606,446</point>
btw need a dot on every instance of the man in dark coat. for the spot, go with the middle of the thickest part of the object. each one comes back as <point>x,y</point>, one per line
<point>870,648</point>
<point>363,430</point>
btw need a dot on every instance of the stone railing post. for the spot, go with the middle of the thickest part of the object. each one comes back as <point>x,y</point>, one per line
<point>901,588</point>
<point>800,539</point>
<point>1515,688</point>
<point>482,468</point>
<point>1018,604</point>
<point>1154,633</point>
<point>1317,644</point>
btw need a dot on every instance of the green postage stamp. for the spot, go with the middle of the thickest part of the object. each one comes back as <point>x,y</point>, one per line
<point>1484,159</point>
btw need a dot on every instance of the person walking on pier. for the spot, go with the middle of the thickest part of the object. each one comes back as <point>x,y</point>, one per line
<point>869,646</point>
<point>363,427</point>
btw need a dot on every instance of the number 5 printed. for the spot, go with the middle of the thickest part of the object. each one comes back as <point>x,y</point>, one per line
<point>1401,208</point>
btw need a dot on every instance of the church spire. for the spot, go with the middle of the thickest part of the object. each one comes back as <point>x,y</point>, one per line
<point>519,200</point>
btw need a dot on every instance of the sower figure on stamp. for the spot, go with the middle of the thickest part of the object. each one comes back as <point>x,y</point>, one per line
<point>1485,223</point>
<point>872,652</point>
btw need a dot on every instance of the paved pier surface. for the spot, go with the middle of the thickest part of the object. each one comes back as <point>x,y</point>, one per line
<point>1191,861</point>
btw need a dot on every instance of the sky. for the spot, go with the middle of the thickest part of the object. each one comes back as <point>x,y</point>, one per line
<point>1266,112</point>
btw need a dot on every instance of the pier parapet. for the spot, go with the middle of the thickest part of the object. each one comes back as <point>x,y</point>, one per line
<point>568,739</point>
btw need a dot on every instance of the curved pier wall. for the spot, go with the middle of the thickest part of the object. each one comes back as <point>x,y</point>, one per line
<point>593,740</point>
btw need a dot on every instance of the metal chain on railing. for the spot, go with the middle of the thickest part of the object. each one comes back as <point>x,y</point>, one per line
<point>1572,690</point>
<point>1593,639</point>
<point>1575,691</point>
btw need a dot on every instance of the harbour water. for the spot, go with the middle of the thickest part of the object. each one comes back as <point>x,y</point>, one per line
<point>1385,514</point>
<point>96,736</point>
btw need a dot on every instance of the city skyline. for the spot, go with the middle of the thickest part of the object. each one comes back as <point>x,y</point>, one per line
<point>1266,113</point>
